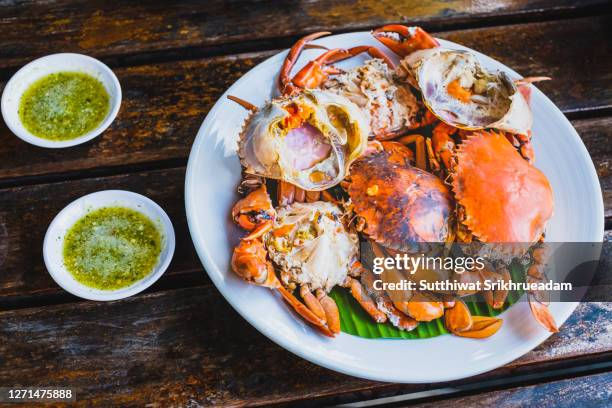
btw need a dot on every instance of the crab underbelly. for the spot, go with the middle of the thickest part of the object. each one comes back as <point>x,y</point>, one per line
<point>305,147</point>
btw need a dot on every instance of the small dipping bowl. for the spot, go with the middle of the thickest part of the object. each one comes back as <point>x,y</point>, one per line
<point>53,246</point>
<point>35,70</point>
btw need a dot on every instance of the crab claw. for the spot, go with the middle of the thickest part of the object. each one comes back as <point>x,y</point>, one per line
<point>404,40</point>
<point>254,209</point>
<point>249,261</point>
<point>284,81</point>
<point>319,69</point>
<point>542,314</point>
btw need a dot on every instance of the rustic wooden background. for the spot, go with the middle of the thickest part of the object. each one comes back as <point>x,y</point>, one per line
<point>180,343</point>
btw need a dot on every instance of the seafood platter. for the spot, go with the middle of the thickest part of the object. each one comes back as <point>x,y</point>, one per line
<point>401,143</point>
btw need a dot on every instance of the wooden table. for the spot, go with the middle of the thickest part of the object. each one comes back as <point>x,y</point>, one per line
<point>180,343</point>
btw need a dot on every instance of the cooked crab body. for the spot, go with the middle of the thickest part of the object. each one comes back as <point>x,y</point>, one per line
<point>401,205</point>
<point>460,91</point>
<point>385,97</point>
<point>504,198</point>
<point>311,246</point>
<point>308,139</point>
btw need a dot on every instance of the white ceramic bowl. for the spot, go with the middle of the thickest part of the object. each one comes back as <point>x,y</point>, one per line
<point>41,67</point>
<point>54,241</point>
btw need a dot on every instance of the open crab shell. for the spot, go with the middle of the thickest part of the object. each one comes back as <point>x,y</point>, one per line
<point>311,246</point>
<point>490,99</point>
<point>375,88</point>
<point>309,139</point>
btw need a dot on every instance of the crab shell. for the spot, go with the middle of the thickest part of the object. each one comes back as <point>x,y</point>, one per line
<point>311,246</point>
<point>309,139</point>
<point>401,204</point>
<point>505,198</point>
<point>496,102</point>
<point>375,88</point>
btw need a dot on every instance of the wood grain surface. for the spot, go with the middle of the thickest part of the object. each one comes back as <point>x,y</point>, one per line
<point>188,346</point>
<point>587,391</point>
<point>25,213</point>
<point>164,104</point>
<point>180,343</point>
<point>104,29</point>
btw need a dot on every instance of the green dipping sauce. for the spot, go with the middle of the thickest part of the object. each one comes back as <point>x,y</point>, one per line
<point>111,248</point>
<point>63,105</point>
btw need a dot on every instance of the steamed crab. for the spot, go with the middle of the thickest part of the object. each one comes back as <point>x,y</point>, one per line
<point>309,246</point>
<point>403,209</point>
<point>459,90</point>
<point>309,139</point>
<point>387,99</point>
<point>501,197</point>
<point>503,204</point>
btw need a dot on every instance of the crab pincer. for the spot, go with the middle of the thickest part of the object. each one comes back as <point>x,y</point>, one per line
<point>404,40</point>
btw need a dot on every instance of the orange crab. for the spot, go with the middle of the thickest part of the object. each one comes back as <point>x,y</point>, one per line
<point>263,253</point>
<point>501,198</point>
<point>398,206</point>
<point>398,203</point>
<point>390,102</point>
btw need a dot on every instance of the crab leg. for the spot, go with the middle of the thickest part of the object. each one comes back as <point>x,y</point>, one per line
<point>259,231</point>
<point>312,302</point>
<point>419,143</point>
<point>538,306</point>
<point>303,311</point>
<point>443,144</point>
<point>332,314</point>
<point>327,196</point>
<point>434,164</point>
<point>312,196</point>
<point>404,40</point>
<point>284,83</point>
<point>300,195</point>
<point>496,298</point>
<point>360,295</point>
<point>245,104</point>
<point>285,193</point>
<point>384,303</point>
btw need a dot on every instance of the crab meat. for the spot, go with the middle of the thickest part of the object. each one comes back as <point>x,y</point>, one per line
<point>464,94</point>
<point>391,106</point>
<point>311,246</point>
<point>309,139</point>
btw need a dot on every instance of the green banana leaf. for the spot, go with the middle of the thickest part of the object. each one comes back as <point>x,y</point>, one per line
<point>354,320</point>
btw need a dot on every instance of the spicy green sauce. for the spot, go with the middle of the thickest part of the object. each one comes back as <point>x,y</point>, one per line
<point>111,248</point>
<point>63,105</point>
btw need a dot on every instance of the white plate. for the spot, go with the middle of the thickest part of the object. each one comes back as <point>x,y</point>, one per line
<point>53,246</point>
<point>213,174</point>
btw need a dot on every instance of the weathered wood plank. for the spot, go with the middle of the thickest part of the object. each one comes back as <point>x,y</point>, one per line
<point>598,141</point>
<point>588,391</point>
<point>104,29</point>
<point>25,213</point>
<point>186,345</point>
<point>164,104</point>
